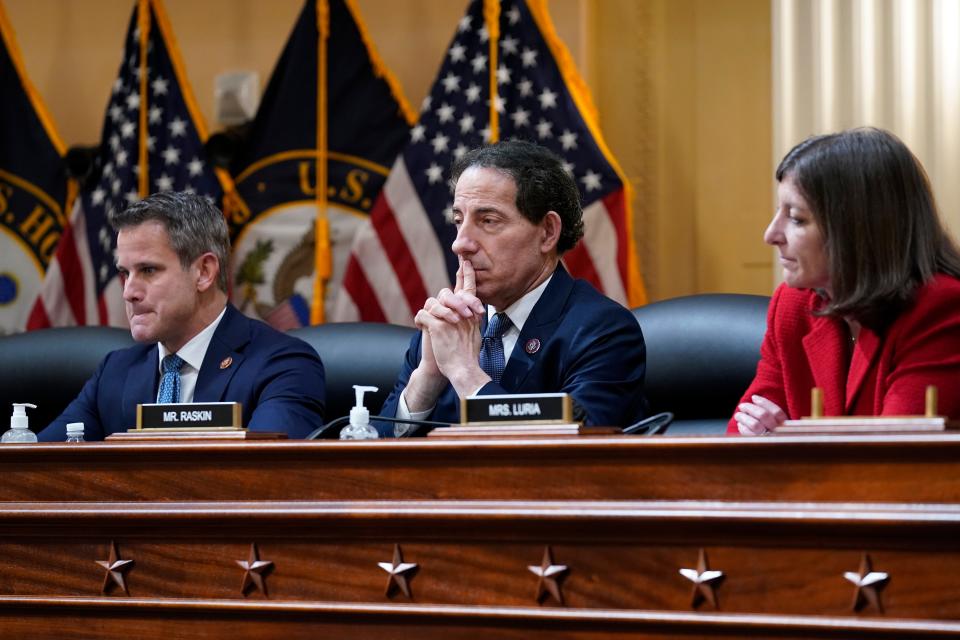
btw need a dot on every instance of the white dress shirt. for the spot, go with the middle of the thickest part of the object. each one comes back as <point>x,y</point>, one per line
<point>192,355</point>
<point>518,313</point>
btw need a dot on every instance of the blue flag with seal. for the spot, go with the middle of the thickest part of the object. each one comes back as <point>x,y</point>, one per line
<point>331,122</point>
<point>33,186</point>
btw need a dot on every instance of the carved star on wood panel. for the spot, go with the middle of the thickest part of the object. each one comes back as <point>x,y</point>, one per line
<point>705,581</point>
<point>115,568</point>
<point>255,571</point>
<point>551,576</point>
<point>869,584</point>
<point>397,571</point>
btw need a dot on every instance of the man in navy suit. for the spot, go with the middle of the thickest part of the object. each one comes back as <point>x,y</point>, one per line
<point>172,255</point>
<point>516,322</point>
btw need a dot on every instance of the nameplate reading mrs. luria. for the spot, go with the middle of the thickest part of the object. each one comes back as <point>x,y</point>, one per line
<point>539,408</point>
<point>189,415</point>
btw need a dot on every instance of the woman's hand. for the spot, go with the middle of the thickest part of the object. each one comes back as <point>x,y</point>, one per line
<point>758,417</point>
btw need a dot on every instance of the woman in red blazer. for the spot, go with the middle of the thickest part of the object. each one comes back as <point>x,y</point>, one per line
<point>869,310</point>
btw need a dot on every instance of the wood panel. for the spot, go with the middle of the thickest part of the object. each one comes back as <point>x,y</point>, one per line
<point>784,519</point>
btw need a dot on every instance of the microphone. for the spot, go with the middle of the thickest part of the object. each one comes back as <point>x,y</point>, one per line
<point>331,430</point>
<point>651,426</point>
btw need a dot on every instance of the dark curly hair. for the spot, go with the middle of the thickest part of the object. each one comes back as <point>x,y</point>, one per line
<point>542,184</point>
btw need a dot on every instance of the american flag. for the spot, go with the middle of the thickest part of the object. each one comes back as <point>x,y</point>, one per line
<point>403,255</point>
<point>152,141</point>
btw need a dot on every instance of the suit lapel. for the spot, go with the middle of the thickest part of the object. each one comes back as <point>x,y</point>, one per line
<point>223,357</point>
<point>540,325</point>
<point>823,345</point>
<point>865,353</point>
<point>140,386</point>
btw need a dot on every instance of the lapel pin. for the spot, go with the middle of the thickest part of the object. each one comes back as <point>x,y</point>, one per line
<point>226,362</point>
<point>532,346</point>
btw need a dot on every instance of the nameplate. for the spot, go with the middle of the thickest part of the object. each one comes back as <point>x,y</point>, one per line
<point>540,408</point>
<point>189,415</point>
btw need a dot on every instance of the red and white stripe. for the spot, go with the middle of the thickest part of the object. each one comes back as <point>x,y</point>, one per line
<point>397,261</point>
<point>67,296</point>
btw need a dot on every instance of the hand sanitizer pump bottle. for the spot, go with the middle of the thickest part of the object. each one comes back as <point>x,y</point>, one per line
<point>20,425</point>
<point>360,427</point>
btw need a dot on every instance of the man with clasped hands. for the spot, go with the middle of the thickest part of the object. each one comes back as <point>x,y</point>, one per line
<point>516,322</point>
<point>172,255</point>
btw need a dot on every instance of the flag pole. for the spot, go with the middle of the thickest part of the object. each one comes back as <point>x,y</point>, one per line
<point>491,17</point>
<point>322,265</point>
<point>143,25</point>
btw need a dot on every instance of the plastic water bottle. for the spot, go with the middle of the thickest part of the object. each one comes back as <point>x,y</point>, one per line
<point>360,427</point>
<point>75,432</point>
<point>20,425</point>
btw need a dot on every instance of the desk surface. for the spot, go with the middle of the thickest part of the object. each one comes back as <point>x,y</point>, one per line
<point>784,519</point>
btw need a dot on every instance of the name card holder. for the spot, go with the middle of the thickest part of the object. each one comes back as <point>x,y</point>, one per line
<point>816,423</point>
<point>192,421</point>
<point>543,414</point>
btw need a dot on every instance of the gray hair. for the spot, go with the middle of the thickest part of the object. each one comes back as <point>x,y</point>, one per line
<point>195,226</point>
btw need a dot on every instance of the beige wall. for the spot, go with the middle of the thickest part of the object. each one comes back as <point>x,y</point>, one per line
<point>682,86</point>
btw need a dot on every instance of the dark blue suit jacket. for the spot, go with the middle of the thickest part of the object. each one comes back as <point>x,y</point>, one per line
<point>590,347</point>
<point>278,379</point>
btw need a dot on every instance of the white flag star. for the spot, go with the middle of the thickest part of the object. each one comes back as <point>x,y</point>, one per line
<point>417,133</point>
<point>483,33</point>
<point>159,86</point>
<point>509,45</point>
<point>543,129</point>
<point>479,63</point>
<point>451,83</point>
<point>195,167</point>
<point>466,123</point>
<point>520,117</point>
<point>164,182</point>
<point>439,143</point>
<point>445,113</point>
<point>503,75</point>
<point>464,24</point>
<point>514,15</point>
<point>526,88</point>
<point>472,93</point>
<point>568,140</point>
<point>591,181</point>
<point>178,127</point>
<point>529,57</point>
<point>171,155</point>
<point>155,114</point>
<point>548,99</point>
<point>434,173</point>
<point>133,101</point>
<point>127,129</point>
<point>457,53</point>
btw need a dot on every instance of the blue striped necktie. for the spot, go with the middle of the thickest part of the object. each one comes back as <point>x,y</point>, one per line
<point>170,382</point>
<point>492,360</point>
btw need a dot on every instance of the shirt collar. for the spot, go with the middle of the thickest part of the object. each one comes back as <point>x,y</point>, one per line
<point>520,310</point>
<point>194,351</point>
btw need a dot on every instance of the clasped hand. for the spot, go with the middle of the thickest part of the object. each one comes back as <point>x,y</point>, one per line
<point>450,323</point>
<point>758,417</point>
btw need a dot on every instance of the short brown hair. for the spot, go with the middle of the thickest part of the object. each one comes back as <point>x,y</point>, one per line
<point>195,226</point>
<point>872,201</point>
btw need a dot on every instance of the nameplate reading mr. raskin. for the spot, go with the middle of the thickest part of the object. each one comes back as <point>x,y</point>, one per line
<point>189,415</point>
<point>539,408</point>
